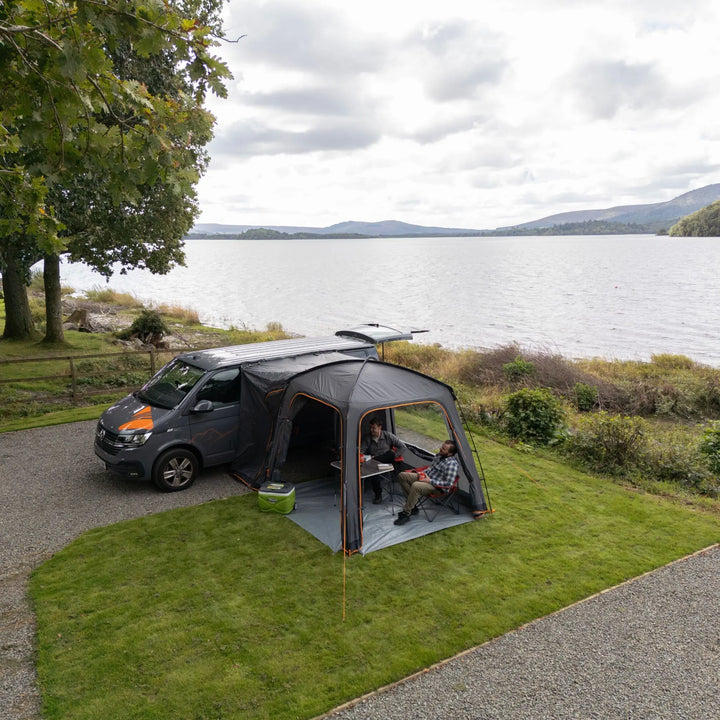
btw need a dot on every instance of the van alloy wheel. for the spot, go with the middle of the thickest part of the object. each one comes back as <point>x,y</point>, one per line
<point>175,470</point>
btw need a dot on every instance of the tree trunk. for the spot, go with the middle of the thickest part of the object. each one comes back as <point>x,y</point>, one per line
<point>53,300</point>
<point>18,318</point>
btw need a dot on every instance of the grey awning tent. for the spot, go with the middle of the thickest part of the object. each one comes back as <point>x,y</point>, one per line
<point>350,391</point>
<point>262,386</point>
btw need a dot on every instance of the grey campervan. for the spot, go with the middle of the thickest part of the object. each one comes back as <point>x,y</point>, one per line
<point>189,415</point>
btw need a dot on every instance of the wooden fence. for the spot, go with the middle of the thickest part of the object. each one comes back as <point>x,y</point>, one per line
<point>69,372</point>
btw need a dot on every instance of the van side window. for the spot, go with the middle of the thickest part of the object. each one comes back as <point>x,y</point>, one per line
<point>222,388</point>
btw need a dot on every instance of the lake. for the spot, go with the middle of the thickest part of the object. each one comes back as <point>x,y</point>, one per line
<point>621,297</point>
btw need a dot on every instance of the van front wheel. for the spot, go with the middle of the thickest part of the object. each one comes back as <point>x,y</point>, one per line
<point>175,470</point>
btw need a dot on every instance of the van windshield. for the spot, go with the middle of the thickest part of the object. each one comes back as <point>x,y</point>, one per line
<point>169,387</point>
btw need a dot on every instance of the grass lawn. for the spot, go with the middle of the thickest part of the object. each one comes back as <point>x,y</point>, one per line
<point>221,611</point>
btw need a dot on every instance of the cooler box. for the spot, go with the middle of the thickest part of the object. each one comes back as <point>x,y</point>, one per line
<point>276,497</point>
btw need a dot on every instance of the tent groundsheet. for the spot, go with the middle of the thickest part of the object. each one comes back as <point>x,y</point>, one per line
<point>317,510</point>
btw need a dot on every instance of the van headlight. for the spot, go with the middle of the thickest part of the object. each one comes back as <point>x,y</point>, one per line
<point>133,439</point>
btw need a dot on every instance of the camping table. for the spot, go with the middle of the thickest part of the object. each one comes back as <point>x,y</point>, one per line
<point>368,469</point>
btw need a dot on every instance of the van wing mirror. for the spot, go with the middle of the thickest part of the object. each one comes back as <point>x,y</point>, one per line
<point>203,406</point>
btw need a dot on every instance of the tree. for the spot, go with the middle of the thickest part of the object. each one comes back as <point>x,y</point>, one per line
<point>702,223</point>
<point>102,135</point>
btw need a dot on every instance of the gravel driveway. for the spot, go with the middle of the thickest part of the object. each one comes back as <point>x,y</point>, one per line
<point>646,650</point>
<point>52,488</point>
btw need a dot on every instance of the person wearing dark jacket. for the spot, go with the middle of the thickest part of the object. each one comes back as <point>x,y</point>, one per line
<point>382,446</point>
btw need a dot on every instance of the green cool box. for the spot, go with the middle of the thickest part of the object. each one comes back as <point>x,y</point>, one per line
<point>276,497</point>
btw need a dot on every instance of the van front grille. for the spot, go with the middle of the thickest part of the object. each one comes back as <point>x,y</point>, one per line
<point>107,440</point>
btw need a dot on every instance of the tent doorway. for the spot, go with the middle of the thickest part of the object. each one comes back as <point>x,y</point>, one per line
<point>314,442</point>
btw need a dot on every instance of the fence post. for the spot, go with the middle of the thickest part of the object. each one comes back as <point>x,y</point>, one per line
<point>73,379</point>
<point>152,361</point>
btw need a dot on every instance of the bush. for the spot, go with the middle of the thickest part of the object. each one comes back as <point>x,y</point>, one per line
<point>533,415</point>
<point>147,324</point>
<point>586,396</point>
<point>710,447</point>
<point>675,460</point>
<point>518,369</point>
<point>609,443</point>
<point>667,361</point>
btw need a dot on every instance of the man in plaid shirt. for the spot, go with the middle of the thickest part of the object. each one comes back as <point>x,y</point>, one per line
<point>439,475</point>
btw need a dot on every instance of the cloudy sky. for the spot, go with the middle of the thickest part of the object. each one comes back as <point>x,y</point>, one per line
<point>461,113</point>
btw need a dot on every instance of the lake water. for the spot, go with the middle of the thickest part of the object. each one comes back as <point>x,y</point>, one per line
<point>623,297</point>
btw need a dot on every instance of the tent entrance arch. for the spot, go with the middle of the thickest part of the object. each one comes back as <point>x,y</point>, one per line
<point>314,440</point>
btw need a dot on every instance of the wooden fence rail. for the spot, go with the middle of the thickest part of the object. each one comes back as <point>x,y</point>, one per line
<point>72,372</point>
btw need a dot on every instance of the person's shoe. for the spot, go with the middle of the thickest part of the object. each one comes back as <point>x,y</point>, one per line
<point>402,518</point>
<point>377,500</point>
<point>415,511</point>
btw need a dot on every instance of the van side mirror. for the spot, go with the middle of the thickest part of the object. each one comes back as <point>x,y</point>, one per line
<point>203,406</point>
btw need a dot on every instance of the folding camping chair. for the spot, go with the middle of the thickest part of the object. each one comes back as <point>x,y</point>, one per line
<point>432,504</point>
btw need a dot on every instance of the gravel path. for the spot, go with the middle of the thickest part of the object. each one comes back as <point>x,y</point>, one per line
<point>646,650</point>
<point>52,488</point>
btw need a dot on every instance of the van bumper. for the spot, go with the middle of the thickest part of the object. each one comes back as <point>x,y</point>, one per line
<point>127,468</point>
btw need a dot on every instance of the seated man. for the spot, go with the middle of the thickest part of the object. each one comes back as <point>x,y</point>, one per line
<point>379,444</point>
<point>439,476</point>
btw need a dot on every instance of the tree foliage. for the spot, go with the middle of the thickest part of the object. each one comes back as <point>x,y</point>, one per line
<point>102,128</point>
<point>703,223</point>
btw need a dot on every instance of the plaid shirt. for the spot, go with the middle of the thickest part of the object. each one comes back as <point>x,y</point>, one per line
<point>443,471</point>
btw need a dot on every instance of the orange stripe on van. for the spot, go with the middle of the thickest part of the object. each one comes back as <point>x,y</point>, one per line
<point>142,420</point>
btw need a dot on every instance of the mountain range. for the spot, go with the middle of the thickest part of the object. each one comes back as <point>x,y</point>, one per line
<point>650,218</point>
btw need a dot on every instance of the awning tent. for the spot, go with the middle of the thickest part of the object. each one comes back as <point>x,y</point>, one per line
<point>339,397</point>
<point>262,386</point>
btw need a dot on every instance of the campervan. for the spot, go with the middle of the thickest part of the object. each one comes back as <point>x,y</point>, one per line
<point>190,415</point>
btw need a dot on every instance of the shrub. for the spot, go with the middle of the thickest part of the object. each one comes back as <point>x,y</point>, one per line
<point>586,396</point>
<point>533,415</point>
<point>518,369</point>
<point>147,323</point>
<point>676,460</point>
<point>710,447</point>
<point>667,361</point>
<point>609,443</point>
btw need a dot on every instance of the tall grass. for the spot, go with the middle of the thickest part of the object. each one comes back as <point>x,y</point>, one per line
<point>113,297</point>
<point>185,315</point>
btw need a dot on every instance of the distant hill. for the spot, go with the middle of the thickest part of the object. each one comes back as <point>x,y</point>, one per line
<point>385,228</point>
<point>662,214</point>
<point>649,218</point>
<point>393,227</point>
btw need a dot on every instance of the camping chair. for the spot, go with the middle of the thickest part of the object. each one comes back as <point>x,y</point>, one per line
<point>432,504</point>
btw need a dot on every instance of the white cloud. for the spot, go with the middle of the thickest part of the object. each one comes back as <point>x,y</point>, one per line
<point>458,114</point>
